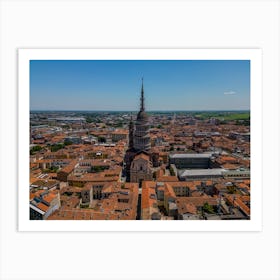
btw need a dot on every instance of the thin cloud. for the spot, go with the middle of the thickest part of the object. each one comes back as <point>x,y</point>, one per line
<point>229,92</point>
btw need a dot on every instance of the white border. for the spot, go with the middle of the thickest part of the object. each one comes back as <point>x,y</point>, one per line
<point>254,55</point>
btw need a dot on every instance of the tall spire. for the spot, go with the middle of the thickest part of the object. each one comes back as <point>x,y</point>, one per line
<point>142,97</point>
<point>131,133</point>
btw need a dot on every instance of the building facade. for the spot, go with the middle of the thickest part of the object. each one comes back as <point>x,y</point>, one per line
<point>191,161</point>
<point>141,168</point>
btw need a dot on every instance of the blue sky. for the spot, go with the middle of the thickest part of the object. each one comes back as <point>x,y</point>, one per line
<point>116,84</point>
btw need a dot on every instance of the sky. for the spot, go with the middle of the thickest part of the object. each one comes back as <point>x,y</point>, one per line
<point>115,85</point>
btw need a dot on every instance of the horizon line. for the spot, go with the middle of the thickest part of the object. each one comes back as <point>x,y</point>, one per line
<point>155,110</point>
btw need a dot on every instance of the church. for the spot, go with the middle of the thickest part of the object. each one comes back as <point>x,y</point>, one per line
<point>138,163</point>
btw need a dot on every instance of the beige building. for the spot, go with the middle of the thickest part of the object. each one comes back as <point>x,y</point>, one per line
<point>119,135</point>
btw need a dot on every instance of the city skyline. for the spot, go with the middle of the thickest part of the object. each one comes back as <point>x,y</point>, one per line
<point>114,85</point>
<point>112,166</point>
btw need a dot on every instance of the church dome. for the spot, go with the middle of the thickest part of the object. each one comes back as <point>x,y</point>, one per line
<point>142,116</point>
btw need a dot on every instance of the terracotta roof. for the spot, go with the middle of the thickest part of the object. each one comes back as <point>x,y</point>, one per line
<point>167,179</point>
<point>42,206</point>
<point>245,198</point>
<point>238,202</point>
<point>49,197</point>
<point>148,194</point>
<point>70,167</point>
<point>120,132</point>
<point>90,177</point>
<point>186,207</point>
<point>198,201</point>
<point>168,191</point>
<point>32,180</point>
<point>243,185</point>
<point>230,166</point>
<point>143,156</point>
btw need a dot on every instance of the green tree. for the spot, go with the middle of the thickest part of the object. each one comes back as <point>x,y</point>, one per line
<point>68,142</point>
<point>172,172</point>
<point>208,208</point>
<point>89,120</point>
<point>52,169</point>
<point>35,149</point>
<point>232,189</point>
<point>98,168</point>
<point>56,147</point>
<point>101,139</point>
